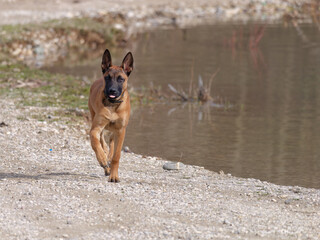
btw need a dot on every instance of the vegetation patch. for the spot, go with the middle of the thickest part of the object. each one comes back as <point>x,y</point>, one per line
<point>34,87</point>
<point>37,44</point>
<point>22,46</point>
<point>40,88</point>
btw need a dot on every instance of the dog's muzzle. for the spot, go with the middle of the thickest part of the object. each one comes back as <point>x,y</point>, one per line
<point>112,98</point>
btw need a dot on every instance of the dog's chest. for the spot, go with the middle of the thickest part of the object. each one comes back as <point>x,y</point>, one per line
<point>115,121</point>
<point>114,125</point>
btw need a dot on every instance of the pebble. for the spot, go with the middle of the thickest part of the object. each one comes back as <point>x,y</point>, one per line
<point>127,149</point>
<point>3,124</point>
<point>173,166</point>
<point>288,201</point>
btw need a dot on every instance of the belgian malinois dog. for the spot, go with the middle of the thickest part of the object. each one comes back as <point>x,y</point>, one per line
<point>109,106</point>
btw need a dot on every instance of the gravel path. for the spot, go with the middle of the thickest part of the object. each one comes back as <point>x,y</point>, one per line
<point>62,193</point>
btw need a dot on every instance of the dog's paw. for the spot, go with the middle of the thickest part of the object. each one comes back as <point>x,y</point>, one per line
<point>107,171</point>
<point>114,173</point>
<point>114,178</point>
<point>107,168</point>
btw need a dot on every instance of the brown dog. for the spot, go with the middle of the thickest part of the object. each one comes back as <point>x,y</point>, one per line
<point>109,105</point>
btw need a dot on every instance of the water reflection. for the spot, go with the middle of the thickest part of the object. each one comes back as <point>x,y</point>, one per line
<point>271,132</point>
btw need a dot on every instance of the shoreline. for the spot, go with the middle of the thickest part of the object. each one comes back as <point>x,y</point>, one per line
<point>48,31</point>
<point>53,188</point>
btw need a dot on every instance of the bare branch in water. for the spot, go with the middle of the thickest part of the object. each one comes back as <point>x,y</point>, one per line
<point>203,95</point>
<point>182,95</point>
<point>211,79</point>
<point>191,79</point>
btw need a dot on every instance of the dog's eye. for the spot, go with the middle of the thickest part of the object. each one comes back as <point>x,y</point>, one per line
<point>120,80</point>
<point>107,78</point>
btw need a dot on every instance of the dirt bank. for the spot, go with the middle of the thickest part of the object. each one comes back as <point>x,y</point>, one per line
<point>86,26</point>
<point>148,12</point>
<point>53,188</point>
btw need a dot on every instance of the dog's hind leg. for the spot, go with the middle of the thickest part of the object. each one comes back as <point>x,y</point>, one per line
<point>111,147</point>
<point>118,142</point>
<point>103,142</point>
<point>106,149</point>
<point>110,154</point>
<point>95,137</point>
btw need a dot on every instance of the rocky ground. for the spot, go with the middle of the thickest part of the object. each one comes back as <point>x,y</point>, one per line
<point>53,188</point>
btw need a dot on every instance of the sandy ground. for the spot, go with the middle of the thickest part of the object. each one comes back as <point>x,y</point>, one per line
<point>53,188</point>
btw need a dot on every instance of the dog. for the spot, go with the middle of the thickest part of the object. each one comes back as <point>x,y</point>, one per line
<point>109,105</point>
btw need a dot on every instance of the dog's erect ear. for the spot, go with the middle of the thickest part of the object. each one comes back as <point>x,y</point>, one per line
<point>106,61</point>
<point>127,63</point>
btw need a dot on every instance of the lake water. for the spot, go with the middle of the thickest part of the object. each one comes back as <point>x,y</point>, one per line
<point>270,132</point>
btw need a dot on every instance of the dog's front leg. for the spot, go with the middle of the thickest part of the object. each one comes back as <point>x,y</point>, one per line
<point>118,141</point>
<point>95,134</point>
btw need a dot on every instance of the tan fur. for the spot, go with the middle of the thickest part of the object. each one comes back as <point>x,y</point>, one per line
<point>109,117</point>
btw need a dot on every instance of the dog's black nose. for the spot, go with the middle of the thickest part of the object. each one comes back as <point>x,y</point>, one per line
<point>112,91</point>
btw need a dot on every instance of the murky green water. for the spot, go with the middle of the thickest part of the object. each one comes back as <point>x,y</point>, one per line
<point>272,131</point>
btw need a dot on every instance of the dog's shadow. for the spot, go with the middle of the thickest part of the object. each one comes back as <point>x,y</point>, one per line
<point>50,175</point>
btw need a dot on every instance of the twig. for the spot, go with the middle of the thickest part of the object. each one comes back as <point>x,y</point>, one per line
<point>300,32</point>
<point>211,79</point>
<point>191,80</point>
<point>259,35</point>
<point>184,98</point>
<point>202,92</point>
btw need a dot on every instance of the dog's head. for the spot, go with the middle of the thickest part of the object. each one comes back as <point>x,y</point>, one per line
<point>115,77</point>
